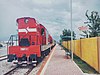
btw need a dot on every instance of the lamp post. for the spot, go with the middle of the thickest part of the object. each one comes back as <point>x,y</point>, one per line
<point>71,29</point>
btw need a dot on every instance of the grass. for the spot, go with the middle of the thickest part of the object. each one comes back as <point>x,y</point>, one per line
<point>84,66</point>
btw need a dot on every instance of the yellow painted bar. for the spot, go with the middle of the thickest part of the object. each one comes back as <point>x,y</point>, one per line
<point>63,43</point>
<point>98,41</point>
<point>73,45</point>
<point>77,48</point>
<point>90,52</point>
<point>69,45</point>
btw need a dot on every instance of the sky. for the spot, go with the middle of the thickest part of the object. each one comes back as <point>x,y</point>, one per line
<point>53,14</point>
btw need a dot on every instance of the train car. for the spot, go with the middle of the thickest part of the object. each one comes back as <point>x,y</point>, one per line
<point>33,43</point>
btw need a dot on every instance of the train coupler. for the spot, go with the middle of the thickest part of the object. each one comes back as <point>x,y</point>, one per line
<point>33,58</point>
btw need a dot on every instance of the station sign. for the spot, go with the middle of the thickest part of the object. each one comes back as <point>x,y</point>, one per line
<point>83,28</point>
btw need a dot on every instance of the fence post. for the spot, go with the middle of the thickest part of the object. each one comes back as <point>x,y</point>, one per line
<point>80,48</point>
<point>98,47</point>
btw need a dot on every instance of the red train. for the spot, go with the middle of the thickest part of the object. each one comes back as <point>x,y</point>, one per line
<point>33,43</point>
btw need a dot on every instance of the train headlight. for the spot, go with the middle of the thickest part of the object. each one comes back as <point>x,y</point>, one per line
<point>23,49</point>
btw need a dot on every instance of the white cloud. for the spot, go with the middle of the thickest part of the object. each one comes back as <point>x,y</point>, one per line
<point>53,14</point>
<point>79,9</point>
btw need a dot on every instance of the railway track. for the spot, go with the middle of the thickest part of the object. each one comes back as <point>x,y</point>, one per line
<point>20,68</point>
<point>30,69</point>
<point>4,57</point>
<point>23,70</point>
<point>11,71</point>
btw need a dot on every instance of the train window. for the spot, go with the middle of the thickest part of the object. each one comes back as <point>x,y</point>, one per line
<point>24,42</point>
<point>42,31</point>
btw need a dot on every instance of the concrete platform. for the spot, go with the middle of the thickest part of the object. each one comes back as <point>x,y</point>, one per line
<point>58,64</point>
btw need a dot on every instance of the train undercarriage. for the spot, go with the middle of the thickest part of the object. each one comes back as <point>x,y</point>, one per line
<point>33,59</point>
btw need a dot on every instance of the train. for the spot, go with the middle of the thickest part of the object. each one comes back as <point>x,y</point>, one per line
<point>32,43</point>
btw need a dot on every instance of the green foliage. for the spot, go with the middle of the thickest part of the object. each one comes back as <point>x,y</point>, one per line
<point>66,35</point>
<point>66,32</point>
<point>93,22</point>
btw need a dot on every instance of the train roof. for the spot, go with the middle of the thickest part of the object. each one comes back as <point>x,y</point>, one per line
<point>25,18</point>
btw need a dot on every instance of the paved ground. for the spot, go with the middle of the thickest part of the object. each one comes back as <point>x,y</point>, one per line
<point>60,65</point>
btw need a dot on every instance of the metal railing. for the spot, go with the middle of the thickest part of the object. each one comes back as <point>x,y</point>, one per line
<point>13,40</point>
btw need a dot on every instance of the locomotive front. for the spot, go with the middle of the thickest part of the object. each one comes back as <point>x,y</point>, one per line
<point>29,41</point>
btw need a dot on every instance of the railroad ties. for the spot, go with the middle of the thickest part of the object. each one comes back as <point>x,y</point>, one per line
<point>3,57</point>
<point>18,69</point>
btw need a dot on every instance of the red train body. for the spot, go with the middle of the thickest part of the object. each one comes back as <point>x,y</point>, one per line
<point>33,42</point>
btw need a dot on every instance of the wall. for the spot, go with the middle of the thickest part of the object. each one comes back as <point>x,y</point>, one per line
<point>87,49</point>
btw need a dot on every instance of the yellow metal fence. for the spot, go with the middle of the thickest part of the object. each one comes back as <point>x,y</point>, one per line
<point>87,49</point>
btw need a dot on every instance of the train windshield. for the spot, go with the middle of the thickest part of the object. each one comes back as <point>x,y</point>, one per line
<point>24,42</point>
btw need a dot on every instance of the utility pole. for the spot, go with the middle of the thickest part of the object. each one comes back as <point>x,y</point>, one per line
<point>71,29</point>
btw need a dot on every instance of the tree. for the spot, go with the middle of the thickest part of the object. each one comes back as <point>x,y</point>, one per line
<point>66,32</point>
<point>66,35</point>
<point>93,22</point>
